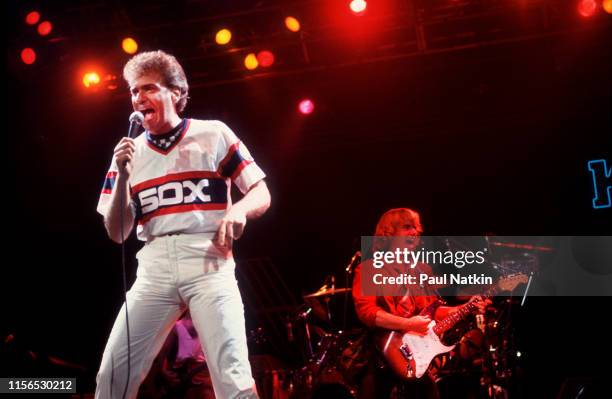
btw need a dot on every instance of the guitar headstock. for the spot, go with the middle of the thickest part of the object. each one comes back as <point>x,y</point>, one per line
<point>510,282</point>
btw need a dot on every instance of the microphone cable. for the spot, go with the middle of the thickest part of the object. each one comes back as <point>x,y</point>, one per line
<point>136,119</point>
<point>127,319</point>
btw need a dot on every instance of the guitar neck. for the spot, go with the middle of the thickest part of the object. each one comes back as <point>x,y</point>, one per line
<point>449,321</point>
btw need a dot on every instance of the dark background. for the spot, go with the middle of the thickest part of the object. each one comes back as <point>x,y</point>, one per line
<point>486,137</point>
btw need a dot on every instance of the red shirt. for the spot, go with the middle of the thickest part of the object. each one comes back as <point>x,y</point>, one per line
<point>401,305</point>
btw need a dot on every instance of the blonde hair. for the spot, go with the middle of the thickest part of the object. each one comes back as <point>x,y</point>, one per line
<point>388,224</point>
<point>394,218</point>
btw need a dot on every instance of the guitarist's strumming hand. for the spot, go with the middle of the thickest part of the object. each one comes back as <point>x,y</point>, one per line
<point>417,325</point>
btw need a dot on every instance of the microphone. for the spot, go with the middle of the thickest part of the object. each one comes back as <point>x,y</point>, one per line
<point>136,120</point>
<point>355,260</point>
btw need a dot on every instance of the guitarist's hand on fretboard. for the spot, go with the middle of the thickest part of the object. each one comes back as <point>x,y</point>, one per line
<point>480,303</point>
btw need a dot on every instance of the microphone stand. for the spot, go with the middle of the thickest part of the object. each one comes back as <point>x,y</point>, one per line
<point>355,260</point>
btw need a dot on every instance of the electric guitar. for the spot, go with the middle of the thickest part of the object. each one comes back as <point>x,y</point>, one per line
<point>409,355</point>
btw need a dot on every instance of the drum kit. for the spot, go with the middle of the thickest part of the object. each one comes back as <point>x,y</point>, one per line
<point>322,375</point>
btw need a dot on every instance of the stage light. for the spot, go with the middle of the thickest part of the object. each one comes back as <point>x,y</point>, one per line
<point>250,62</point>
<point>358,6</point>
<point>129,45</point>
<point>306,107</point>
<point>587,8</point>
<point>292,24</point>
<point>265,58</point>
<point>44,28</point>
<point>223,37</point>
<point>91,79</point>
<point>28,56</point>
<point>32,18</point>
<point>607,5</point>
<point>111,82</point>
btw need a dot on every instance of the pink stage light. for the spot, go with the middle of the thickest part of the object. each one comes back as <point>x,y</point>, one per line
<point>306,106</point>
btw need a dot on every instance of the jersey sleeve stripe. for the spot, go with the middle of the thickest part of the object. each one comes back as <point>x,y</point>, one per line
<point>233,163</point>
<point>240,167</point>
<point>109,183</point>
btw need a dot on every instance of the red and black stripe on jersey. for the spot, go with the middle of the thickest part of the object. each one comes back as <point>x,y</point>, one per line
<point>109,182</point>
<point>178,193</point>
<point>233,163</point>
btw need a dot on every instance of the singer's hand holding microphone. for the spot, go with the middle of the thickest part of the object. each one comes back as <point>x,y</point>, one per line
<point>124,150</point>
<point>124,153</point>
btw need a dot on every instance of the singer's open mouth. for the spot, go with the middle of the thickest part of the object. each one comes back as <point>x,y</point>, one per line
<point>148,113</point>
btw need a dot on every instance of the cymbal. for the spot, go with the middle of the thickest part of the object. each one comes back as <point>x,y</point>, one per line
<point>327,292</point>
<point>522,246</point>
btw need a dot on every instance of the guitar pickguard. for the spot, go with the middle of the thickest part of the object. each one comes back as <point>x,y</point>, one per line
<point>424,348</point>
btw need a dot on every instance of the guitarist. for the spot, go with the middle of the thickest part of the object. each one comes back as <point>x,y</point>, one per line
<point>399,313</point>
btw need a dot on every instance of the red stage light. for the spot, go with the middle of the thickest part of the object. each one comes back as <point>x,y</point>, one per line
<point>358,6</point>
<point>306,106</point>
<point>111,82</point>
<point>45,28</point>
<point>587,8</point>
<point>28,56</point>
<point>607,5</point>
<point>265,58</point>
<point>32,18</point>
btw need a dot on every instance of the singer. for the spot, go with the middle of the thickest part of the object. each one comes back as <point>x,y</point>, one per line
<point>173,182</point>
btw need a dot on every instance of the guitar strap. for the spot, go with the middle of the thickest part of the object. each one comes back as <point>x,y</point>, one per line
<point>405,306</point>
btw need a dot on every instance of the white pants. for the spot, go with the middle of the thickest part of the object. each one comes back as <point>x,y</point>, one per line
<point>175,272</point>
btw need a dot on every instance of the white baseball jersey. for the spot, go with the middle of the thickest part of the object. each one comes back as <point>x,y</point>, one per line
<point>186,188</point>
